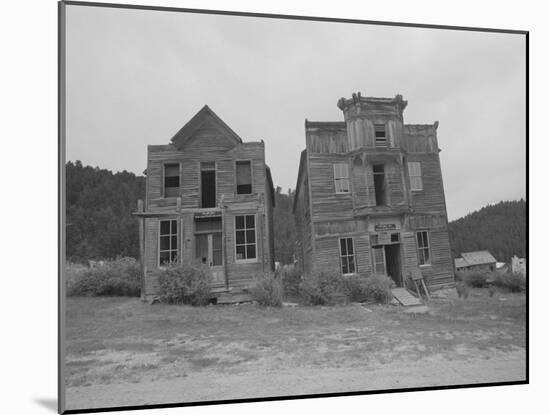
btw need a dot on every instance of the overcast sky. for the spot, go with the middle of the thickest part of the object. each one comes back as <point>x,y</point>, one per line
<point>136,77</point>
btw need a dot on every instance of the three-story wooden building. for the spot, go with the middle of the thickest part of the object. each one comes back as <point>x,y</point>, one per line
<point>369,195</point>
<point>209,198</point>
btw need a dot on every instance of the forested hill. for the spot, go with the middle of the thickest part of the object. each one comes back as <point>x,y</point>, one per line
<point>99,219</point>
<point>499,229</point>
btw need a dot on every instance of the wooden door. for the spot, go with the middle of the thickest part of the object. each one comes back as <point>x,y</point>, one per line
<point>210,252</point>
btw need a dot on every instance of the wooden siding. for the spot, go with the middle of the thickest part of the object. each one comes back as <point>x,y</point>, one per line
<point>431,198</point>
<point>209,141</point>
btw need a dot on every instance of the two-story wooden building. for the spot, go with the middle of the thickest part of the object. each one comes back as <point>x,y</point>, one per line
<point>369,195</point>
<point>209,198</point>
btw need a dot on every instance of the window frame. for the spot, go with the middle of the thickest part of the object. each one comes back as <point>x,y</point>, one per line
<point>385,198</point>
<point>170,235</point>
<point>343,179</point>
<point>347,255</point>
<point>378,143</point>
<point>418,177</point>
<point>246,260</point>
<point>420,250</point>
<point>251,176</point>
<point>163,178</point>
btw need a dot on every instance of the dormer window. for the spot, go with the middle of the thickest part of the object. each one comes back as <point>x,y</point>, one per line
<point>171,180</point>
<point>380,135</point>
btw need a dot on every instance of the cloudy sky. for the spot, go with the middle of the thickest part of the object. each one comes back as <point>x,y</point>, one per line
<point>136,77</point>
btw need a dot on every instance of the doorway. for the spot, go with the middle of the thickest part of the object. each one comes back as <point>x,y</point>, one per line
<point>209,246</point>
<point>387,261</point>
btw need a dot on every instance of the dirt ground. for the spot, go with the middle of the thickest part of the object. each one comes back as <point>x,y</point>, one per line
<point>124,352</point>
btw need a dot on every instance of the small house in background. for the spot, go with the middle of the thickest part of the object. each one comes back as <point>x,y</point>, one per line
<point>518,265</point>
<point>476,261</point>
<point>209,198</point>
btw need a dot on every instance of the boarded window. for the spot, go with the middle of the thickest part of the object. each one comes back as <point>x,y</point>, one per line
<point>381,139</point>
<point>347,255</point>
<point>379,184</point>
<point>245,237</point>
<point>208,184</point>
<point>168,241</point>
<point>423,247</point>
<point>244,177</point>
<point>415,175</point>
<point>341,178</point>
<point>171,180</point>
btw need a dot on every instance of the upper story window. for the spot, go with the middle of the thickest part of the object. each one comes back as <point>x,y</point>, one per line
<point>347,255</point>
<point>208,184</point>
<point>245,237</point>
<point>379,184</point>
<point>341,178</point>
<point>380,136</point>
<point>171,180</point>
<point>415,175</point>
<point>423,247</point>
<point>244,177</point>
<point>168,241</point>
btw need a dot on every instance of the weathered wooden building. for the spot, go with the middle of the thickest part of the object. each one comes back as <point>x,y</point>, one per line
<point>210,198</point>
<point>476,261</point>
<point>369,195</point>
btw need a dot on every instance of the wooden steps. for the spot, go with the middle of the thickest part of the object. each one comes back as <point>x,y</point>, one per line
<point>404,297</point>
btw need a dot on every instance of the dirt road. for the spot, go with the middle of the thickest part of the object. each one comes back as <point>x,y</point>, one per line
<point>209,386</point>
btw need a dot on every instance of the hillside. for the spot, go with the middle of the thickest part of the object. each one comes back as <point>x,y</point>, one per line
<point>499,228</point>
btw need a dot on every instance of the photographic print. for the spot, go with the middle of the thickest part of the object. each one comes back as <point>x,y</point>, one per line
<point>260,207</point>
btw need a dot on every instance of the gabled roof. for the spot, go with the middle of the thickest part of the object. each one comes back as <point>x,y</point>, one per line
<point>478,257</point>
<point>199,119</point>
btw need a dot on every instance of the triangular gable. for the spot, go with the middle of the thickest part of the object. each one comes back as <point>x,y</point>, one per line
<point>203,117</point>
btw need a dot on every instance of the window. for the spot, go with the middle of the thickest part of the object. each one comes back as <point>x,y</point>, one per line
<point>168,241</point>
<point>171,180</point>
<point>379,184</point>
<point>415,175</point>
<point>341,178</point>
<point>244,177</point>
<point>245,238</point>
<point>380,138</point>
<point>423,246</point>
<point>347,255</point>
<point>208,184</point>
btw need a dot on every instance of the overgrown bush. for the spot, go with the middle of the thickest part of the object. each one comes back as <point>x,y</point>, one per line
<point>121,276</point>
<point>511,281</point>
<point>267,290</point>
<point>187,283</point>
<point>291,278</point>
<point>474,279</point>
<point>321,288</point>
<point>355,288</point>
<point>378,288</point>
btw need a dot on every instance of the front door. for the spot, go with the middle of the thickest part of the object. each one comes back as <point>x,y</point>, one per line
<point>210,252</point>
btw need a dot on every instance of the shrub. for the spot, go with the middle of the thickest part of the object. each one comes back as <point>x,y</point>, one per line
<point>462,289</point>
<point>268,291</point>
<point>187,283</point>
<point>513,282</point>
<point>355,288</point>
<point>475,279</point>
<point>379,288</point>
<point>121,276</point>
<point>291,278</point>
<point>322,287</point>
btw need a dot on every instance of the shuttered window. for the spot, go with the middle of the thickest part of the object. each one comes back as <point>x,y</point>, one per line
<point>415,175</point>
<point>347,255</point>
<point>341,178</point>
<point>381,139</point>
<point>245,237</point>
<point>171,180</point>
<point>423,247</point>
<point>168,241</point>
<point>244,177</point>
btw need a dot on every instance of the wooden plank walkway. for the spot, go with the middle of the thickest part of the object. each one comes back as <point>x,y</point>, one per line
<point>404,297</point>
